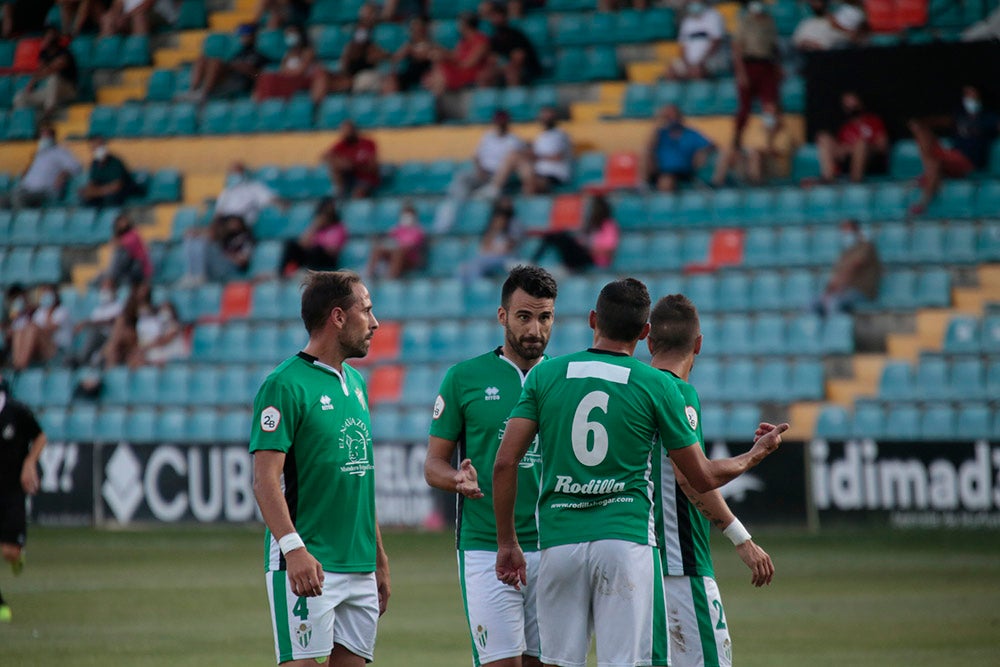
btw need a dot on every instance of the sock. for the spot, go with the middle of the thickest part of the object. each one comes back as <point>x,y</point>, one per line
<point>1,597</point>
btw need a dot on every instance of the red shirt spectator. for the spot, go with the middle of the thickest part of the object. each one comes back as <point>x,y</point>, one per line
<point>865,127</point>
<point>353,163</point>
<point>860,147</point>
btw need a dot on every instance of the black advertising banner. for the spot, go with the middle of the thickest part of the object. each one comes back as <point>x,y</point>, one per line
<point>773,492</point>
<point>402,497</point>
<point>907,484</point>
<point>66,493</point>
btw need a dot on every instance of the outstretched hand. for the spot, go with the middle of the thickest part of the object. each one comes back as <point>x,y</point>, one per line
<point>758,561</point>
<point>767,438</point>
<point>467,480</point>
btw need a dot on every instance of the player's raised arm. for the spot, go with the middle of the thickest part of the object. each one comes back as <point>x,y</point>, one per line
<point>705,475</point>
<point>517,437</point>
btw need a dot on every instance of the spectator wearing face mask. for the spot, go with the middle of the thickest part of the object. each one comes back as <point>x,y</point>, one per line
<point>95,330</point>
<point>123,342</point>
<point>318,247</point>
<point>674,151</point>
<point>222,256</point>
<point>701,36</point>
<point>46,177</point>
<point>543,166</point>
<point>130,262</point>
<point>860,147</point>
<point>297,69</point>
<point>109,182</point>
<point>18,308</point>
<point>856,275</point>
<point>235,76</point>
<point>244,196</point>
<point>48,334</point>
<point>767,156</point>
<point>159,337</point>
<point>402,250</point>
<point>592,246</point>
<point>826,31</point>
<point>973,131</point>
<point>756,65</point>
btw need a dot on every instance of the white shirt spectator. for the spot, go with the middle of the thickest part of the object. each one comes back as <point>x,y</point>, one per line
<point>553,150</point>
<point>46,168</point>
<point>822,33</point>
<point>494,148</point>
<point>167,10</point>
<point>57,316</point>
<point>697,33</point>
<point>244,199</point>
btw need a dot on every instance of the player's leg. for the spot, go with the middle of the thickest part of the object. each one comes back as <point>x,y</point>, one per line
<point>699,636</point>
<point>355,621</point>
<point>532,644</point>
<point>13,529</point>
<point>563,599</point>
<point>623,602</point>
<point>302,627</point>
<point>494,611</point>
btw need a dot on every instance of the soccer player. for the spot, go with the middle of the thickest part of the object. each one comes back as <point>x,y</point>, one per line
<point>21,443</point>
<point>597,414</point>
<point>696,624</point>
<point>470,413</point>
<point>327,575</point>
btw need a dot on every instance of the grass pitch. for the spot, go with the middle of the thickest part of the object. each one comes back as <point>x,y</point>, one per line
<point>193,596</point>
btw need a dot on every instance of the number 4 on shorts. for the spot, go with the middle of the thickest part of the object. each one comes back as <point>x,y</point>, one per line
<point>301,609</point>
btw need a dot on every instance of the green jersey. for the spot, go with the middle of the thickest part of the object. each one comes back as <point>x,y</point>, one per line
<point>472,408</point>
<point>682,530</point>
<point>319,418</point>
<point>598,416</point>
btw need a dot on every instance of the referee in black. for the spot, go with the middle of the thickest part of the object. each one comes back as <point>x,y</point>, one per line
<point>21,443</point>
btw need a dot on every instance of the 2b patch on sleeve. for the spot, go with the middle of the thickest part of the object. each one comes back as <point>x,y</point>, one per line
<point>438,406</point>
<point>270,417</point>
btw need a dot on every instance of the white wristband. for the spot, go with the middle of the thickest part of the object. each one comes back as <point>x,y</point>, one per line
<point>290,542</point>
<point>736,533</point>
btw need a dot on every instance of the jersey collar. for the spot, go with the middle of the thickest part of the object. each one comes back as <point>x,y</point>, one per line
<point>594,350</point>
<point>521,374</point>
<point>310,359</point>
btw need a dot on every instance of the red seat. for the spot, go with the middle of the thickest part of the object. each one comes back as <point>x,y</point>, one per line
<point>236,300</point>
<point>881,15</point>
<point>26,55</point>
<point>567,213</point>
<point>385,345</point>
<point>621,171</point>
<point>724,249</point>
<point>911,13</point>
<point>385,385</point>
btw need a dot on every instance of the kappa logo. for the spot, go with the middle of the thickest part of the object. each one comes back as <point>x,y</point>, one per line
<point>492,394</point>
<point>326,402</point>
<point>303,633</point>
<point>692,417</point>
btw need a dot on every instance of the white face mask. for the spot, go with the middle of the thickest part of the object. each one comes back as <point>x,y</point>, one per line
<point>408,219</point>
<point>47,300</point>
<point>972,105</point>
<point>769,120</point>
<point>292,39</point>
<point>100,153</point>
<point>165,316</point>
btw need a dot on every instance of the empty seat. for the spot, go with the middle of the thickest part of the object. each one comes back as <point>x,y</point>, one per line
<point>962,335</point>
<point>972,422</point>
<point>833,423</point>
<point>140,425</point>
<point>869,421</point>
<point>902,422</point>
<point>896,382</point>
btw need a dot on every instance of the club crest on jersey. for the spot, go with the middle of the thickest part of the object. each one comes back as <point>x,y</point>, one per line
<point>438,406</point>
<point>357,440</point>
<point>270,417</point>
<point>492,394</point>
<point>692,416</point>
<point>326,402</point>
<point>303,633</point>
<point>531,457</point>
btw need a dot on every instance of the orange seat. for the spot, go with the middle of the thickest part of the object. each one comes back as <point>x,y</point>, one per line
<point>385,385</point>
<point>724,249</point>
<point>621,171</point>
<point>881,15</point>
<point>385,345</point>
<point>567,213</point>
<point>26,55</point>
<point>236,300</point>
<point>911,13</point>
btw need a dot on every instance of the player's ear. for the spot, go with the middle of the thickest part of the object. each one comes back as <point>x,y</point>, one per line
<point>337,316</point>
<point>502,315</point>
<point>645,331</point>
<point>697,344</point>
<point>592,320</point>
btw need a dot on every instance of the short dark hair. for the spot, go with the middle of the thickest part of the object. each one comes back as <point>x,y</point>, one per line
<point>534,280</point>
<point>673,324</point>
<point>322,291</point>
<point>623,309</point>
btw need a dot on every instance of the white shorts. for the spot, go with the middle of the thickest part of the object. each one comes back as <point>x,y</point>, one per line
<point>697,627</point>
<point>611,588</point>
<point>346,613</point>
<point>503,622</point>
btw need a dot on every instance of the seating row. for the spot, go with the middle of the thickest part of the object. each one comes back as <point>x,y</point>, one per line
<point>31,266</point>
<point>972,335</point>
<point>906,421</point>
<point>82,422</point>
<point>936,379</point>
<point>701,97</point>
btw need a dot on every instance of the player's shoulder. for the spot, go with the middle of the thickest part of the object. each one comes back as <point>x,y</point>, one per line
<point>472,367</point>
<point>287,373</point>
<point>19,407</point>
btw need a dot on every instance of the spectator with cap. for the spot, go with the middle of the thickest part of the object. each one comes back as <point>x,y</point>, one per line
<point>860,146</point>
<point>756,66</point>
<point>701,36</point>
<point>513,60</point>
<point>46,177</point>
<point>856,275</point>
<point>674,151</point>
<point>543,166</point>
<point>830,31</point>
<point>54,82</point>
<point>494,148</point>
<point>353,163</point>
<point>109,181</point>
<point>217,77</point>
<point>973,132</point>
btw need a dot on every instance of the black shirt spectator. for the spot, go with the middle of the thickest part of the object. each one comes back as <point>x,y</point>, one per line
<point>54,51</point>
<point>520,60</point>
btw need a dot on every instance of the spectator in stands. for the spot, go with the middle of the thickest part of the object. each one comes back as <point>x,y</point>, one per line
<point>353,163</point>
<point>48,333</point>
<point>973,132</point>
<point>297,70</point>
<point>498,247</point>
<point>543,166</point>
<point>756,65</point>
<point>856,275</point>
<point>318,247</point>
<point>414,59</point>
<point>840,29</point>
<point>46,177</point>
<point>359,61</point>
<point>123,342</point>
<point>96,329</point>
<point>109,182</point>
<point>281,13</point>
<point>612,5</point>
<point>402,10</point>
<point>674,151</point>
<point>236,76</point>
<point>137,17</point>
<point>54,82</point>
<point>23,16</point>
<point>130,263</point>
<point>18,308</point>
<point>76,16</point>
<point>701,36</point>
<point>222,256</point>
<point>159,337</point>
<point>493,150</point>
<point>513,60</point>
<point>988,28</point>
<point>757,162</point>
<point>861,145</point>
<point>594,245</point>
<point>466,65</point>
<point>402,250</point>
<point>244,196</point>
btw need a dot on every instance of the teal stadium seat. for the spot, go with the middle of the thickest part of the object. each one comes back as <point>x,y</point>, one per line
<point>638,101</point>
<point>927,244</point>
<point>271,44</point>
<point>572,30</point>
<point>766,292</point>
<point>110,424</point>
<point>630,209</point>
<point>789,206</point>
<point>738,380</point>
<point>160,87</point>
<point>164,186</point>
<point>205,388</point>
<point>183,120</point>
<point>135,51</point>
<point>742,421</point>
<point>734,292</point>
<point>962,336</point>
<point>219,45</point>
<point>930,379</point>
<point>332,112</point>
<point>571,65</point>
<point>793,95</point>
<point>329,42</point>
<point>933,288</point>
<point>21,124</point>
<point>170,425</point>
<point>25,227</point>
<point>191,15</point>
<point>81,421</point>
<point>216,117</point>
<point>804,335</point>
<point>960,243</point>
<point>956,199</point>
<point>155,120</point>
<point>838,334</point>
<point>46,265</point>
<point>893,242</point>
<point>902,422</point>
<point>988,198</point>
<point>787,15</point>
<point>937,422</point>
<point>58,387</point>
<point>107,53</point>
<point>869,421</point>
<point>82,47</point>
<point>807,380</point>
<point>967,379</point>
<point>991,335</point>
<point>890,201</point>
<point>445,33</point>
<point>7,48</point>
<point>972,422</point>
<point>140,425</point>
<point>767,335</point>
<point>234,426</point>
<point>805,163</point>
<point>201,425</point>
<point>904,160</point>
<point>833,423</point>
<point>896,382</point>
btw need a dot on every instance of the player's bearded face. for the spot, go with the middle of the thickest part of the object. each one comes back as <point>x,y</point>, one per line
<point>356,336</point>
<point>528,325</point>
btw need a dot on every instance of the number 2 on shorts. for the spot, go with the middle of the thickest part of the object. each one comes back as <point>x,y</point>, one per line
<point>721,625</point>
<point>582,428</point>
